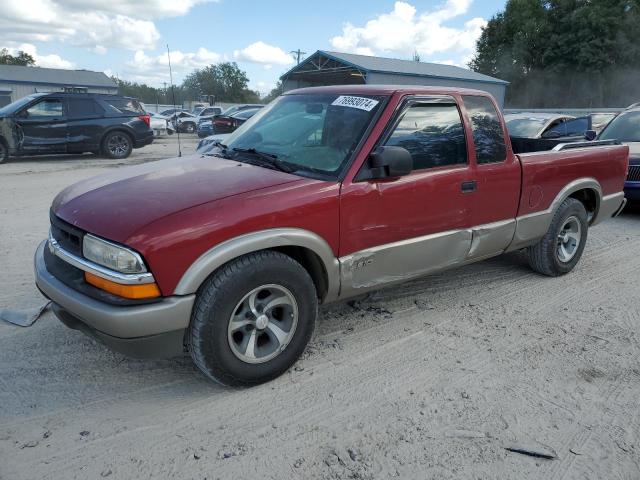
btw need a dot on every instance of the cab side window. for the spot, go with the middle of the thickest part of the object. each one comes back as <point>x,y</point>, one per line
<point>46,108</point>
<point>432,133</point>
<point>488,135</point>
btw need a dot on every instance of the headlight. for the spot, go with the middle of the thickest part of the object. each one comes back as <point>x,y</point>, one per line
<point>112,256</point>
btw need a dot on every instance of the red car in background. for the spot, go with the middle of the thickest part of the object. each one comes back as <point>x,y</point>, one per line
<point>228,123</point>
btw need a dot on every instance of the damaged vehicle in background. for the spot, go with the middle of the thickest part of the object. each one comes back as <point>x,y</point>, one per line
<point>190,124</point>
<point>325,194</point>
<point>60,123</point>
<point>160,125</point>
<point>534,132</point>
<point>626,128</point>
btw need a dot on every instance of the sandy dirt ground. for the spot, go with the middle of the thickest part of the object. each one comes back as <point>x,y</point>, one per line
<point>433,379</point>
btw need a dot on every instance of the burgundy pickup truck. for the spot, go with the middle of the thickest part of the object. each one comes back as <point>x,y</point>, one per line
<point>323,195</point>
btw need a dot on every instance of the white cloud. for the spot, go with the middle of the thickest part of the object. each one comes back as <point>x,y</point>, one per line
<point>260,52</point>
<point>263,88</point>
<point>403,31</point>
<point>47,61</point>
<point>154,69</point>
<point>94,24</point>
<point>148,9</point>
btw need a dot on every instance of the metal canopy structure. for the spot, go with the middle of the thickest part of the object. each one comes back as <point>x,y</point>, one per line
<point>322,68</point>
<point>335,68</point>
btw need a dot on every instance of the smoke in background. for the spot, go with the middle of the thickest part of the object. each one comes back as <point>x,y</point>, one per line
<point>564,53</point>
<point>540,89</point>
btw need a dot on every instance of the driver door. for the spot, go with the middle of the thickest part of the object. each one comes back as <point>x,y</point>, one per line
<point>42,127</point>
<point>394,229</point>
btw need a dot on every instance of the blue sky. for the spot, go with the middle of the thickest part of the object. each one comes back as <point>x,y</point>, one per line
<point>129,38</point>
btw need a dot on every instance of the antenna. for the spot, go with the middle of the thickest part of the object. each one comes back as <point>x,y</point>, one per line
<point>173,94</point>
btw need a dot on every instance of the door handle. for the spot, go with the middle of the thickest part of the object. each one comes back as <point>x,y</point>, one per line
<point>468,187</point>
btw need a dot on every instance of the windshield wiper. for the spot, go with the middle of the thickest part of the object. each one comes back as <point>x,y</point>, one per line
<point>224,152</point>
<point>269,160</point>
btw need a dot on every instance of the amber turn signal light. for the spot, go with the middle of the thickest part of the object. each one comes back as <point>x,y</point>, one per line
<point>147,290</point>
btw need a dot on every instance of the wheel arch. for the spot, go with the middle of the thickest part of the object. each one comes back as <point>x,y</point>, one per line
<point>590,198</point>
<point>117,128</point>
<point>307,248</point>
<point>531,227</point>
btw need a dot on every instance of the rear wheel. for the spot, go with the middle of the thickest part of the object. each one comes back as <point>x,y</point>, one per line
<point>560,249</point>
<point>189,127</point>
<point>117,145</point>
<point>253,319</point>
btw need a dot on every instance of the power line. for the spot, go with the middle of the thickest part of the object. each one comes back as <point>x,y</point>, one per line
<point>297,54</point>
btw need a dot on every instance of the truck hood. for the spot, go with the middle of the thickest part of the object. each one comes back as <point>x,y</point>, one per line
<point>116,205</point>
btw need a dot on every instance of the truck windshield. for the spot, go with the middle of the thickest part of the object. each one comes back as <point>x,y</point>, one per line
<point>310,134</point>
<point>625,127</point>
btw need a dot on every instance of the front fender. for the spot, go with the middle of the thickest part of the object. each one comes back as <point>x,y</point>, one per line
<point>217,256</point>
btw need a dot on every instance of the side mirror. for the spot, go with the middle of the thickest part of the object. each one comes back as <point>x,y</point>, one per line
<point>390,162</point>
<point>590,135</point>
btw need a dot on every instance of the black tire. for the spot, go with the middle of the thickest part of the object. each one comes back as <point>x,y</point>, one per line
<point>189,127</point>
<point>117,145</point>
<point>4,152</point>
<point>221,298</point>
<point>545,257</point>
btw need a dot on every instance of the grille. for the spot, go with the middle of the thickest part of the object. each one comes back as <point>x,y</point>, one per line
<point>634,173</point>
<point>69,237</point>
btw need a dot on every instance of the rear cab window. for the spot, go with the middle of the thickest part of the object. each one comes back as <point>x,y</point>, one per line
<point>488,135</point>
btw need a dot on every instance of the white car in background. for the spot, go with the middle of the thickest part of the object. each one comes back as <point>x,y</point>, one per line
<point>189,123</point>
<point>160,125</point>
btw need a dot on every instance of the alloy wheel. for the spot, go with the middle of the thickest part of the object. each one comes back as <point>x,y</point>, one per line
<point>263,323</point>
<point>118,145</point>
<point>569,239</point>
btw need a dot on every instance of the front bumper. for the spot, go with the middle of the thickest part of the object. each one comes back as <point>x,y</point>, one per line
<point>144,331</point>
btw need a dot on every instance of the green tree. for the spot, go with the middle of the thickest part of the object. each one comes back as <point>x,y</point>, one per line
<point>23,58</point>
<point>564,53</point>
<point>226,81</point>
<point>274,93</point>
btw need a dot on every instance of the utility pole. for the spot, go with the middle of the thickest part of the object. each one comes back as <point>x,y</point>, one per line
<point>297,54</point>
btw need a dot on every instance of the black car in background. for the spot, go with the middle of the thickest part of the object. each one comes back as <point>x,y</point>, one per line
<point>244,106</point>
<point>52,123</point>
<point>228,123</point>
<point>171,111</point>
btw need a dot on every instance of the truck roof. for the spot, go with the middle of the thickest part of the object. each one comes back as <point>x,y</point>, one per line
<point>385,90</point>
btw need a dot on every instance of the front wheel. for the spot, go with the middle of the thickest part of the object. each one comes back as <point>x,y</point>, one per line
<point>253,319</point>
<point>117,145</point>
<point>189,128</point>
<point>560,249</point>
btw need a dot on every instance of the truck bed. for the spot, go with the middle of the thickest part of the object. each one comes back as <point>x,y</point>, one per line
<point>544,174</point>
